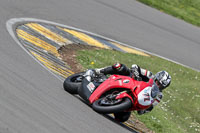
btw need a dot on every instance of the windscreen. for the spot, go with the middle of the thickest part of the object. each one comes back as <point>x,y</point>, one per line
<point>154,90</point>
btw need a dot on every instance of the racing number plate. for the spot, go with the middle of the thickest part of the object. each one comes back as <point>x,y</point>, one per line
<point>91,87</point>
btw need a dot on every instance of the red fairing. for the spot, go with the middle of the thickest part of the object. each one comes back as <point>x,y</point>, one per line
<point>139,96</point>
<point>114,81</point>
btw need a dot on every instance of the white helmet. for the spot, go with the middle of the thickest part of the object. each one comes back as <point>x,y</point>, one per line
<point>163,78</point>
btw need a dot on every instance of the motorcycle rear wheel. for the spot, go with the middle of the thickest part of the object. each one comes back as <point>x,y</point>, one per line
<point>125,104</point>
<point>72,83</point>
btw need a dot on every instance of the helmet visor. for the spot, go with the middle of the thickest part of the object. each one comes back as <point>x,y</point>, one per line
<point>160,86</point>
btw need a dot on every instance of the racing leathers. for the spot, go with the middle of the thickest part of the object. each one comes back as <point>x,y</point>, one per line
<point>135,72</point>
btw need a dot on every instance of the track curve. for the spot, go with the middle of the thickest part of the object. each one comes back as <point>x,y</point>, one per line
<point>33,100</point>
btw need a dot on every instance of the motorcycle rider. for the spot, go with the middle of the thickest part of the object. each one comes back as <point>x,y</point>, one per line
<point>162,79</point>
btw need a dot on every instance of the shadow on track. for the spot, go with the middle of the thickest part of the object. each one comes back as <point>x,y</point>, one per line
<point>109,117</point>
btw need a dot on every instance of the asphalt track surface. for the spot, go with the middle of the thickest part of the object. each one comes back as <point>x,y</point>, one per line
<point>32,99</point>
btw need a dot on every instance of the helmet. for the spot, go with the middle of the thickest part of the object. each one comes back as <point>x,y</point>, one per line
<point>163,78</point>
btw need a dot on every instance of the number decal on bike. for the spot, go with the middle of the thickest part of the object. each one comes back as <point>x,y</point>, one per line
<point>91,87</point>
<point>144,97</point>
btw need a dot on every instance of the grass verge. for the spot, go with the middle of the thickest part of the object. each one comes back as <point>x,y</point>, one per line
<point>179,110</point>
<point>188,10</point>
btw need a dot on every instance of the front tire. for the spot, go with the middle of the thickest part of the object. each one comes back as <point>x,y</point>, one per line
<point>122,116</point>
<point>72,83</point>
<point>106,109</point>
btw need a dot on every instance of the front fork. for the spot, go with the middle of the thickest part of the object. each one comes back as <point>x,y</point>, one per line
<point>124,94</point>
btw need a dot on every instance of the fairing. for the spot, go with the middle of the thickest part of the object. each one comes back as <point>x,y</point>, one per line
<point>139,92</point>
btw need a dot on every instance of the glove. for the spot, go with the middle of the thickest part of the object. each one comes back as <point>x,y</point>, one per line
<point>135,70</point>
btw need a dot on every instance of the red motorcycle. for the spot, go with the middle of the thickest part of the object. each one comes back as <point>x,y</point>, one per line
<point>112,94</point>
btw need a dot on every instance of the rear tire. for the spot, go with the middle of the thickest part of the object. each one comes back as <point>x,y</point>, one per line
<point>71,84</point>
<point>122,106</point>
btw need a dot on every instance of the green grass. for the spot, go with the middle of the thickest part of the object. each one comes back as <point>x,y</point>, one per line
<point>188,10</point>
<point>179,110</point>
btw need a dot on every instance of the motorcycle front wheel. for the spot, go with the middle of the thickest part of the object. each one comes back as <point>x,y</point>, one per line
<point>103,107</point>
<point>72,83</point>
